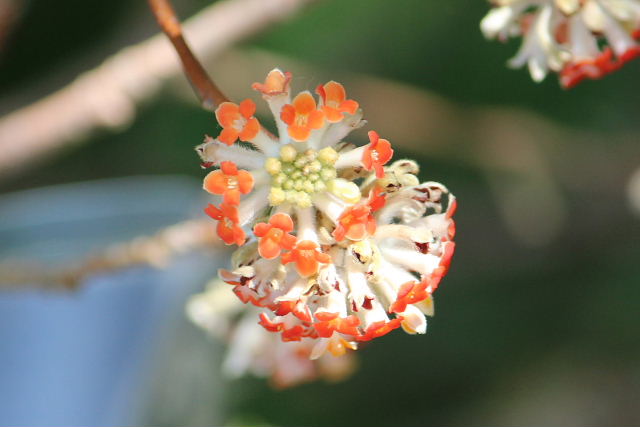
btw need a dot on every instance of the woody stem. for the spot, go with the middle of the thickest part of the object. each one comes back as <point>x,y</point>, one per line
<point>210,95</point>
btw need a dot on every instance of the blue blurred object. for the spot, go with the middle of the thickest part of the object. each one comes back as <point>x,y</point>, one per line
<point>84,358</point>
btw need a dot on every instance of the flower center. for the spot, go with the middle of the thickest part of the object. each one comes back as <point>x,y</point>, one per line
<point>232,182</point>
<point>301,120</point>
<point>297,176</point>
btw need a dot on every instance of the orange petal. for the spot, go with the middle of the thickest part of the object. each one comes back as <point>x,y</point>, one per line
<point>451,210</point>
<point>335,92</point>
<point>247,108</point>
<point>379,170</point>
<point>339,233</point>
<point>371,226</point>
<point>378,329</point>
<point>239,236</point>
<point>250,130</point>
<point>276,83</point>
<point>307,245</point>
<point>288,114</point>
<point>225,233</point>
<point>333,115</point>
<point>385,152</point>
<point>349,106</point>
<point>268,248</point>
<point>316,119</point>
<point>288,241</point>
<point>231,197</point>
<point>304,103</point>
<point>228,135</point>
<point>373,137</point>
<point>245,181</point>
<point>306,265</point>
<point>282,221</point>
<point>299,133</point>
<point>227,113</point>
<point>213,211</point>
<point>230,212</point>
<point>377,200</point>
<point>261,229</point>
<point>215,182</point>
<point>288,257</point>
<point>323,258</point>
<point>356,231</point>
<point>229,168</point>
<point>269,324</point>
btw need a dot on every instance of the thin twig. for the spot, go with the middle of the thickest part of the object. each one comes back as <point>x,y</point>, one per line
<point>156,250</point>
<point>209,94</point>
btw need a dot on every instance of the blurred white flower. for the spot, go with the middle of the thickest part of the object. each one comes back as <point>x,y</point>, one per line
<point>576,38</point>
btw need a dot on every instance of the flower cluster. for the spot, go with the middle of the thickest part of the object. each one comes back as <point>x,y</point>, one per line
<point>337,244</point>
<point>253,350</point>
<point>577,38</point>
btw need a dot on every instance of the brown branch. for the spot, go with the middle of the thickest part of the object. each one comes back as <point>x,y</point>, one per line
<point>156,250</point>
<point>210,95</point>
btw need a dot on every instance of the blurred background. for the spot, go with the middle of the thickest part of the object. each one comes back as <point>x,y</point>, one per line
<point>536,323</point>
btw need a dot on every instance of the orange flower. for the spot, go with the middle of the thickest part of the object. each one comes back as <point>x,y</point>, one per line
<point>331,322</point>
<point>443,268</point>
<point>246,294</point>
<point>229,182</point>
<point>270,325</point>
<point>357,221</point>
<point>409,293</point>
<point>228,229</point>
<point>237,121</point>
<point>335,102</point>
<point>377,154</point>
<point>297,307</point>
<point>302,116</point>
<point>276,83</point>
<point>378,329</point>
<point>294,333</point>
<point>274,235</point>
<point>307,257</point>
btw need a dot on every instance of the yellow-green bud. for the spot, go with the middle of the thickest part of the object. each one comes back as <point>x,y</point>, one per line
<point>327,174</point>
<point>328,156</point>
<point>308,187</point>
<point>315,166</point>
<point>300,162</point>
<point>279,179</point>
<point>288,168</point>
<point>288,153</point>
<point>276,196</point>
<point>272,165</point>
